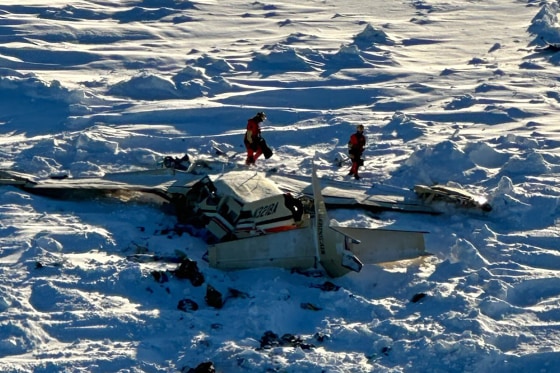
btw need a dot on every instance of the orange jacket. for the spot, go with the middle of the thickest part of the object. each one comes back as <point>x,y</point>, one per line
<point>253,131</point>
<point>357,143</point>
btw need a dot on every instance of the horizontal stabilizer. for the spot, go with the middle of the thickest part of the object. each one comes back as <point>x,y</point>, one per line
<point>383,245</point>
<point>351,262</point>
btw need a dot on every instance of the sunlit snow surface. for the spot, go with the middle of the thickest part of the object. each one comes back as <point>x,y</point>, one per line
<point>458,93</point>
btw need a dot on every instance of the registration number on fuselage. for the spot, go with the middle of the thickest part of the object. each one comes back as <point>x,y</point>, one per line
<point>265,210</point>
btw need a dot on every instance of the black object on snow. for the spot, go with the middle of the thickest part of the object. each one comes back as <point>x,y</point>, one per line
<point>187,305</point>
<point>188,269</point>
<point>417,297</point>
<point>213,297</point>
<point>270,340</point>
<point>206,367</point>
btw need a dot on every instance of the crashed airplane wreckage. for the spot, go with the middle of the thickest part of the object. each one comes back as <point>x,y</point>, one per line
<point>257,219</point>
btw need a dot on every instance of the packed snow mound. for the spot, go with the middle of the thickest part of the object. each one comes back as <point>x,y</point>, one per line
<point>370,37</point>
<point>145,87</point>
<point>280,59</point>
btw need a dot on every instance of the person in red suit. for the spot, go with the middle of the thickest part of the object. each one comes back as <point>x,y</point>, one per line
<point>253,138</point>
<point>356,147</point>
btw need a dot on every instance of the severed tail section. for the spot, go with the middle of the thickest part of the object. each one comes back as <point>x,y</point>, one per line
<point>333,256</point>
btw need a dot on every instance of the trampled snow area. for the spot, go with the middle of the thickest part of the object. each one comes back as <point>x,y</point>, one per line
<point>452,92</point>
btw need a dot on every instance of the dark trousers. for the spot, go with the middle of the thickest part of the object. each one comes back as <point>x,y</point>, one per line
<point>357,161</point>
<point>254,150</point>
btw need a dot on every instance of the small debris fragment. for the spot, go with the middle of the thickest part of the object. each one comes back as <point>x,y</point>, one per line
<point>160,276</point>
<point>385,351</point>
<point>270,340</point>
<point>321,337</point>
<point>326,286</point>
<point>188,269</point>
<point>213,297</point>
<point>309,306</point>
<point>187,305</point>
<point>206,367</point>
<point>234,293</point>
<point>417,297</point>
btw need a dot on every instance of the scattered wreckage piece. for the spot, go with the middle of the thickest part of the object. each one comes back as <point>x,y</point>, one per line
<point>453,195</point>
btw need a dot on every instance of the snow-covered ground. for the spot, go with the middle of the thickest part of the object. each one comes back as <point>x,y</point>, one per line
<point>451,92</point>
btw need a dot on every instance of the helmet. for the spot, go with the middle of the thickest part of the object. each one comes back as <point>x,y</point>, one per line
<point>360,127</point>
<point>261,115</point>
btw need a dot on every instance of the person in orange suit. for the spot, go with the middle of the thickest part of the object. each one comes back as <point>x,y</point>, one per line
<point>356,147</point>
<point>252,138</point>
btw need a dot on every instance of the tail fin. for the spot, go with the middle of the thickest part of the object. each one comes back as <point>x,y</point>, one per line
<point>335,259</point>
